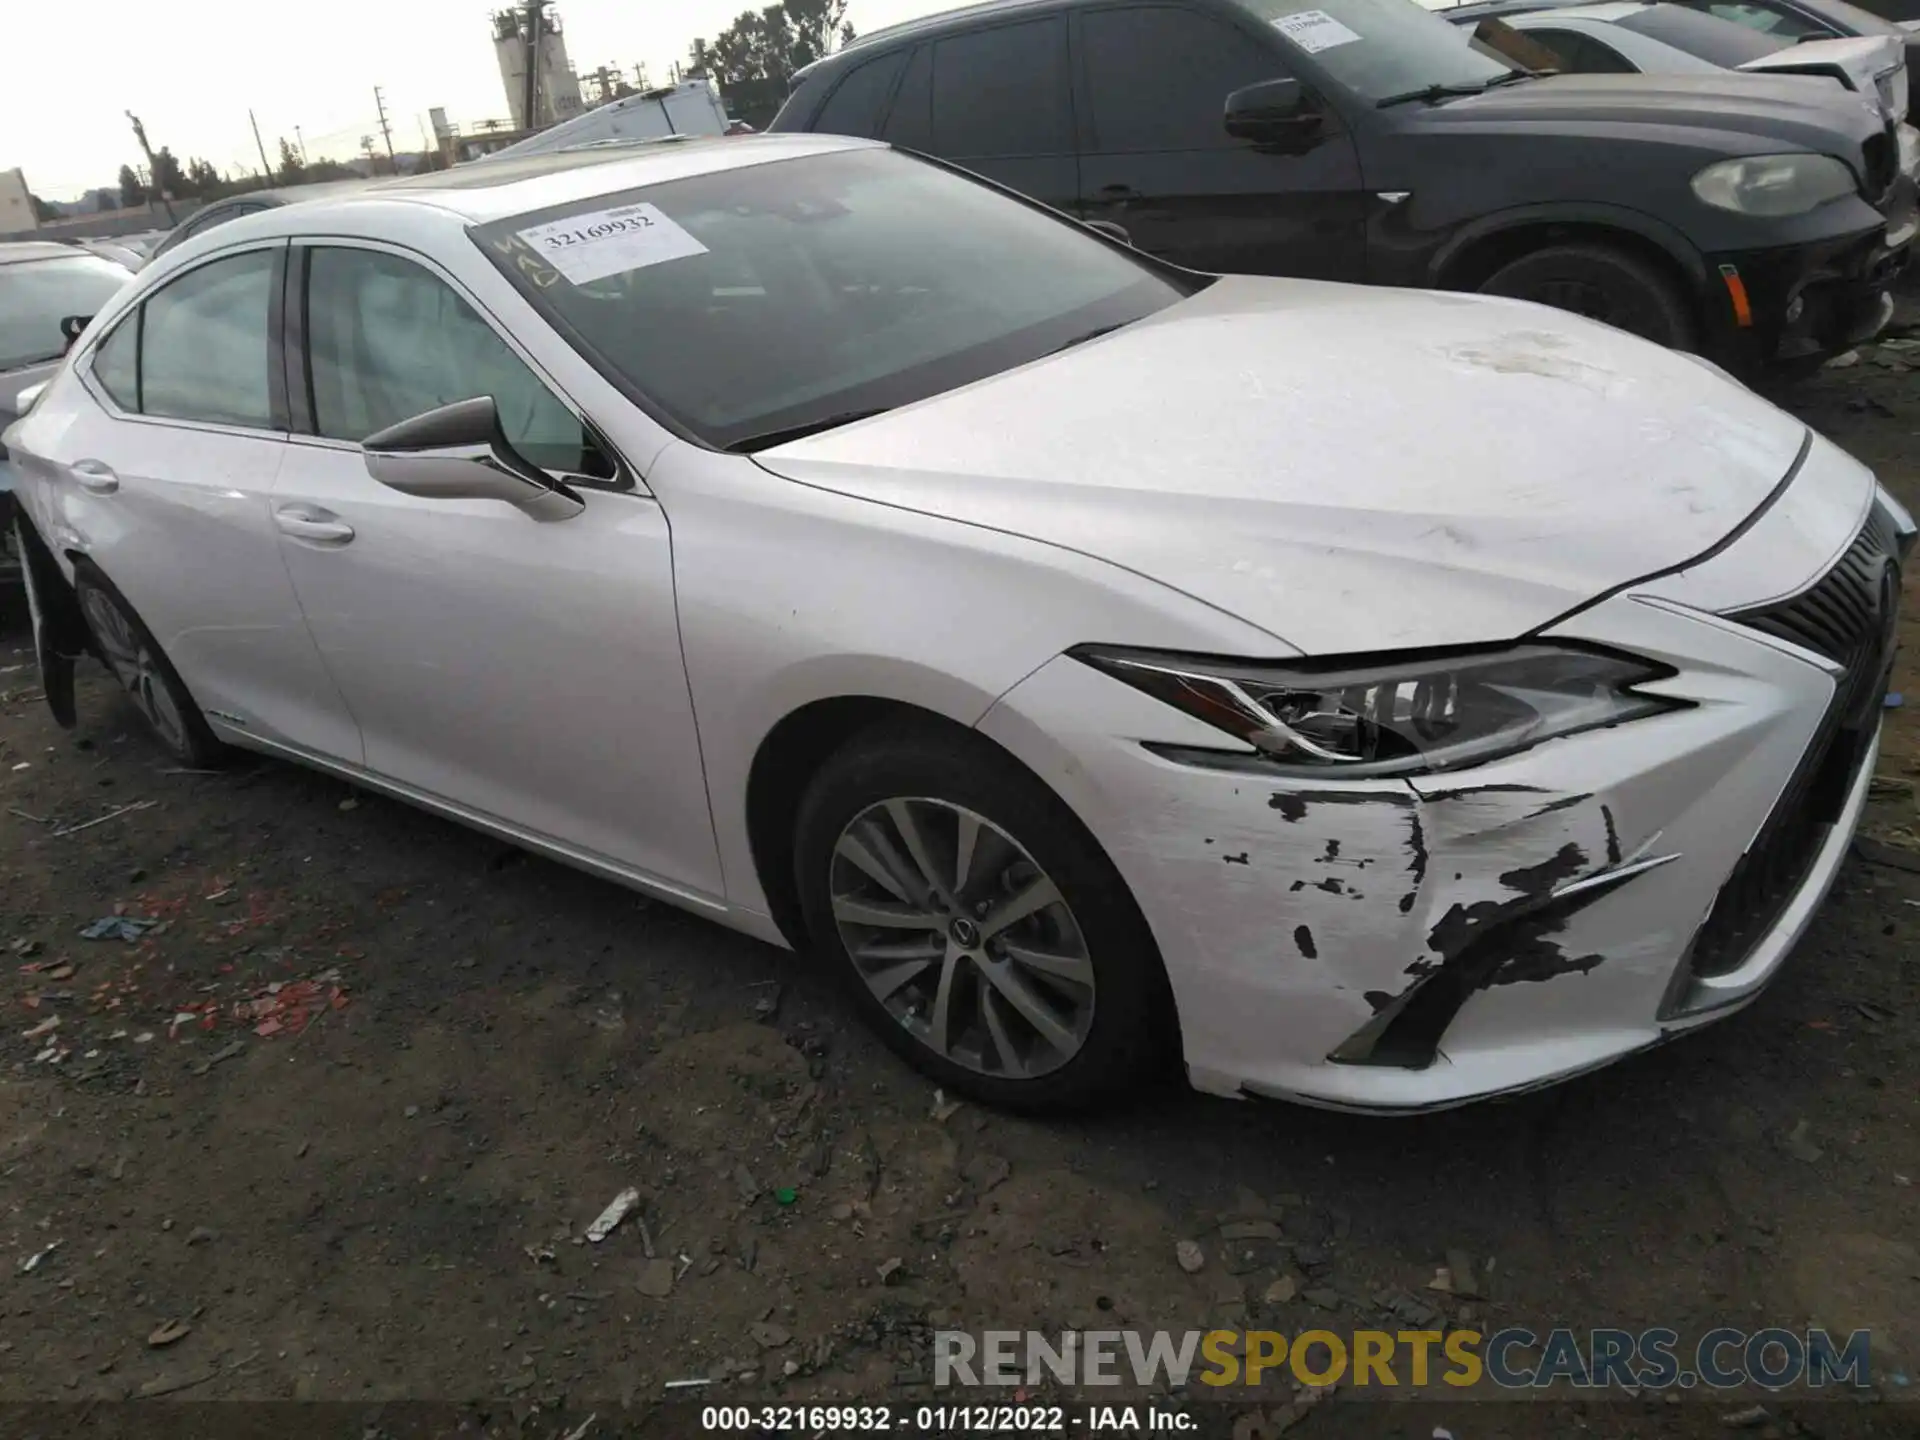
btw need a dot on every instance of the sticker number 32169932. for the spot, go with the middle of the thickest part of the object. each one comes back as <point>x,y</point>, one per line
<point>591,247</point>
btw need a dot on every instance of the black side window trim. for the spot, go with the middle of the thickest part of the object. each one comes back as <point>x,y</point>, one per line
<point>297,360</point>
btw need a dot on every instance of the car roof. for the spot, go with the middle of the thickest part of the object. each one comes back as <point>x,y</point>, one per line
<point>1493,9</point>
<point>494,189</point>
<point>1608,10</point>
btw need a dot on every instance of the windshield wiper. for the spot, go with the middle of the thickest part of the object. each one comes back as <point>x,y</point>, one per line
<point>1091,335</point>
<point>1433,94</point>
<point>769,438</point>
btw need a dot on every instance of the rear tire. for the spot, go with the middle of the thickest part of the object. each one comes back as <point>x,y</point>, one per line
<point>135,659</point>
<point>1602,283</point>
<point>1063,1009</point>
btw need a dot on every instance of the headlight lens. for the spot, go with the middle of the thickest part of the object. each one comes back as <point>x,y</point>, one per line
<point>1774,184</point>
<point>1909,139</point>
<point>1398,717</point>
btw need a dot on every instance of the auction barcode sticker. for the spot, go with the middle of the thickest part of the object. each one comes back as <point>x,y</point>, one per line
<point>610,242</point>
<point>1314,30</point>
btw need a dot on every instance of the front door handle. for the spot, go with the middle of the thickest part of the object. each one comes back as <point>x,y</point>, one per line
<point>310,522</point>
<point>94,475</point>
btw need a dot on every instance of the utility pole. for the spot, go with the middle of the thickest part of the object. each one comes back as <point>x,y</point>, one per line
<point>140,134</point>
<point>386,130</point>
<point>301,141</point>
<point>266,169</point>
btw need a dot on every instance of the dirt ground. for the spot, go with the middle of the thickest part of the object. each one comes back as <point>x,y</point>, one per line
<point>339,1119</point>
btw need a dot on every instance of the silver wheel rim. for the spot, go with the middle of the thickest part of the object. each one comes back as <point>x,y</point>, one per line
<point>133,665</point>
<point>962,937</point>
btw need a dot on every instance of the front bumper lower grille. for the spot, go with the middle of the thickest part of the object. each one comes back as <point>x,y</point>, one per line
<point>1847,616</point>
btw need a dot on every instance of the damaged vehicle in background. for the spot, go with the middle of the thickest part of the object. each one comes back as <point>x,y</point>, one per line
<point>1657,37</point>
<point>45,287</point>
<point>993,655</point>
<point>1756,221</point>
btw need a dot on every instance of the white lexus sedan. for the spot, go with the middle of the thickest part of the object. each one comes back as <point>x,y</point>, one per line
<point>1377,698</point>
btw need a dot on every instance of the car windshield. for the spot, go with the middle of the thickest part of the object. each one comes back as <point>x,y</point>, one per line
<point>754,304</point>
<point>36,295</point>
<point>1707,36</point>
<point>1383,49</point>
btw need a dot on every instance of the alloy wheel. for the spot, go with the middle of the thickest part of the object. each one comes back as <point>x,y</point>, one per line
<point>135,666</point>
<point>962,937</point>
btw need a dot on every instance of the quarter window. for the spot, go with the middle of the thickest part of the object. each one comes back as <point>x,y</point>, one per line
<point>854,106</point>
<point>388,340</point>
<point>204,344</point>
<point>1158,78</point>
<point>115,362</point>
<point>1000,92</point>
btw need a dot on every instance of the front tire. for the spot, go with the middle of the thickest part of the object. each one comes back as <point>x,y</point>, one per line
<point>135,659</point>
<point>1602,283</point>
<point>979,928</point>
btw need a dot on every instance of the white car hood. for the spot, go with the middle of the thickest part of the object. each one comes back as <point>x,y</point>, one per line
<point>1865,59</point>
<point>1348,468</point>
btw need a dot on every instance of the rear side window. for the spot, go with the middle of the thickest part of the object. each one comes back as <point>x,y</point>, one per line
<point>1158,78</point>
<point>1001,92</point>
<point>854,106</point>
<point>910,121</point>
<point>204,344</point>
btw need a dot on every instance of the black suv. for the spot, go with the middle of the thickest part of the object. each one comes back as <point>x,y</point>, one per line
<point>1758,220</point>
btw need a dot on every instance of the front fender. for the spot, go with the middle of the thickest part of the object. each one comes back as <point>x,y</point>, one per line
<point>1587,215</point>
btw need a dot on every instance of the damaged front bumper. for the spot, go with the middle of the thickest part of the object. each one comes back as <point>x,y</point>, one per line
<point>1397,945</point>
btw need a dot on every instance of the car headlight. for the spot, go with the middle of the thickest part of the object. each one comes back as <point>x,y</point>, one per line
<point>1774,184</point>
<point>1399,716</point>
<point>1909,139</point>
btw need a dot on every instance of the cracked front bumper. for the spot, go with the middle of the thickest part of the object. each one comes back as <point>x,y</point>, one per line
<point>1398,945</point>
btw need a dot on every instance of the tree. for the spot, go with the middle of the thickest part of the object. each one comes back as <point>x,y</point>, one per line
<point>293,170</point>
<point>132,192</point>
<point>42,211</point>
<point>754,59</point>
<point>204,179</point>
<point>167,178</point>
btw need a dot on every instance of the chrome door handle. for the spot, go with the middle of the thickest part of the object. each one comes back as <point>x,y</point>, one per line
<point>308,522</point>
<point>94,475</point>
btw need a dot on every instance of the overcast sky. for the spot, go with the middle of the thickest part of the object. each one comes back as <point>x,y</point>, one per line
<point>192,71</point>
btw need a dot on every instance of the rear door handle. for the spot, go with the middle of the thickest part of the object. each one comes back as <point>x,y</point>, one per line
<point>310,522</point>
<point>94,475</point>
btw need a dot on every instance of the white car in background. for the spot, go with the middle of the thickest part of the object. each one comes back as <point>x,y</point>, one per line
<point>1084,657</point>
<point>1649,37</point>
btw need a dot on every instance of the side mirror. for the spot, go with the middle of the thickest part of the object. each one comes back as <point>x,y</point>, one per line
<point>459,452</point>
<point>72,327</point>
<point>1110,230</point>
<point>1276,113</point>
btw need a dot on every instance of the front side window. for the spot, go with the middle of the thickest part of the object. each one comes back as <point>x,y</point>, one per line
<point>1158,78</point>
<point>1000,92</point>
<point>36,295</point>
<point>204,342</point>
<point>389,340</point>
<point>753,302</point>
<point>1382,49</point>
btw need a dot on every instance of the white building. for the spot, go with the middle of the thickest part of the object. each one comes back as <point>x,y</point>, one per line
<point>16,208</point>
<point>558,90</point>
